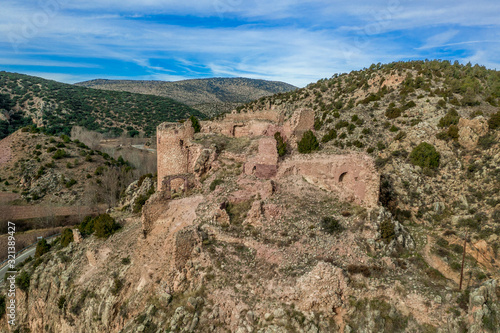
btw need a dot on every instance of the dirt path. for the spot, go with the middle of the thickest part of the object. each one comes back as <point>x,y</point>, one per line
<point>437,263</point>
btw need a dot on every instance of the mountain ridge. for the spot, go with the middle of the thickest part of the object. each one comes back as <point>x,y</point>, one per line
<point>209,95</point>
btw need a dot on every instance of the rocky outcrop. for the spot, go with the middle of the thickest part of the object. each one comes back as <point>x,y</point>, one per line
<point>484,308</point>
<point>469,131</point>
<point>390,233</point>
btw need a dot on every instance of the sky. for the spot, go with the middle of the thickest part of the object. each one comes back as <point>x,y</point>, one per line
<point>297,42</point>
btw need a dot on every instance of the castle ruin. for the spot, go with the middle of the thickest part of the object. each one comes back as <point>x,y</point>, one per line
<point>352,176</point>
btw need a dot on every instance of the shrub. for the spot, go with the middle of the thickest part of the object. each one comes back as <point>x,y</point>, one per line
<point>486,141</point>
<point>117,286</point>
<point>42,247</point>
<point>451,118</point>
<point>105,226</point>
<point>425,156</point>
<point>23,281</point>
<point>330,225</point>
<point>494,121</point>
<point>126,261</point>
<point>392,111</point>
<point>70,183</point>
<point>66,237</point>
<point>61,302</point>
<point>215,183</point>
<point>195,123</point>
<point>60,153</point>
<point>51,149</point>
<point>308,143</point>
<point>332,134</point>
<point>139,202</point>
<point>280,144</point>
<point>341,123</point>
<point>394,128</point>
<point>86,227</point>
<point>387,232</point>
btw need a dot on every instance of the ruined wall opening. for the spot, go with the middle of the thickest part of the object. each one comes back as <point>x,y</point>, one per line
<point>341,178</point>
<point>167,184</point>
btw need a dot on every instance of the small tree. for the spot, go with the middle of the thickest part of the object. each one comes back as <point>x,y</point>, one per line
<point>425,156</point>
<point>41,248</point>
<point>280,144</point>
<point>23,281</point>
<point>105,226</point>
<point>195,123</point>
<point>66,237</point>
<point>308,143</point>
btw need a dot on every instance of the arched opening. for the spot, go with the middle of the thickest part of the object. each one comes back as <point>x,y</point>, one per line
<point>342,175</point>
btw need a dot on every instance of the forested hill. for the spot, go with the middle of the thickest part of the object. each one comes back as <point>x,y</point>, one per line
<point>211,96</point>
<point>56,106</point>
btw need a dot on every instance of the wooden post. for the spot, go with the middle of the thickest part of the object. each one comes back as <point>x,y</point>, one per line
<point>463,261</point>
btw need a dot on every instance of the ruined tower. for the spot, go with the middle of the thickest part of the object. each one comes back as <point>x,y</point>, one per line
<point>173,140</point>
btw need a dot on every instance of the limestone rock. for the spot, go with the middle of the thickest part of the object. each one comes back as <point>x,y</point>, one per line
<point>469,131</point>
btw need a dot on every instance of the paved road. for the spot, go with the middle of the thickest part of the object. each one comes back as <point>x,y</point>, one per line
<point>30,252</point>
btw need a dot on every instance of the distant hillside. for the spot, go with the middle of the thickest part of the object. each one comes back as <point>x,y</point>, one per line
<point>57,106</point>
<point>211,96</point>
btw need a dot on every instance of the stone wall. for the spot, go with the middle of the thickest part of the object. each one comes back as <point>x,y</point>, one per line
<point>265,163</point>
<point>353,176</point>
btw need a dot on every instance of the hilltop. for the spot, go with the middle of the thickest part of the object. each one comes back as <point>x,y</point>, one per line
<point>57,107</point>
<point>212,96</point>
<point>351,219</point>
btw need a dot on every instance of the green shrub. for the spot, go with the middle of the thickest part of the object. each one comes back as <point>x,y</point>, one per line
<point>117,286</point>
<point>139,202</point>
<point>42,247</point>
<point>392,111</point>
<point>23,281</point>
<point>308,143</point>
<point>238,211</point>
<point>425,156</point>
<point>341,123</point>
<point>61,302</point>
<point>494,121</point>
<point>126,261</point>
<point>86,227</point>
<point>215,183</point>
<point>105,226</point>
<point>394,128</point>
<point>451,118</point>
<point>66,237</point>
<point>70,183</point>
<point>330,225</point>
<point>387,232</point>
<point>195,123</point>
<point>60,153</point>
<point>332,134</point>
<point>280,144</point>
<point>486,141</point>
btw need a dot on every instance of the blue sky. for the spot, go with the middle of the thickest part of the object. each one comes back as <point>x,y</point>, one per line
<point>294,41</point>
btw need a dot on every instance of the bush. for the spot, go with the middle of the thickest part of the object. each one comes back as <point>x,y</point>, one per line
<point>280,144</point>
<point>42,247</point>
<point>60,153</point>
<point>486,141</point>
<point>494,121</point>
<point>425,156</point>
<point>330,225</point>
<point>117,286</point>
<point>195,123</point>
<point>387,232</point>
<point>332,134</point>
<point>139,202</point>
<point>215,183</point>
<point>308,143</point>
<point>392,111</point>
<point>105,226</point>
<point>66,237</point>
<point>61,302</point>
<point>451,118</point>
<point>23,281</point>
<point>86,227</point>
